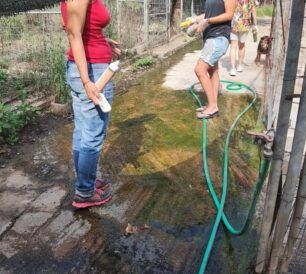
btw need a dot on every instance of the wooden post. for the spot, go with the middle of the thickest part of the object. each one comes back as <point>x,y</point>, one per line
<point>296,221</point>
<point>294,42</point>
<point>292,178</point>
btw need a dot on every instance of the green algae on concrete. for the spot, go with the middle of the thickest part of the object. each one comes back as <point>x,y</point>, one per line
<point>153,154</point>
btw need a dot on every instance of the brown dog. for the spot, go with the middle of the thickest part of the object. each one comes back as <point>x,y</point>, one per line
<point>264,47</point>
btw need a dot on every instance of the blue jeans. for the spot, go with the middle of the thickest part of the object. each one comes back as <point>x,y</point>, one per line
<point>90,127</point>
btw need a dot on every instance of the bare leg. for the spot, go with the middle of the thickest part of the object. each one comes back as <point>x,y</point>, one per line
<point>233,49</point>
<point>202,72</point>
<point>241,53</point>
<point>214,76</point>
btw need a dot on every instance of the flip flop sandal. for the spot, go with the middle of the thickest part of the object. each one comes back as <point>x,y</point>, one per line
<point>201,109</point>
<point>201,115</point>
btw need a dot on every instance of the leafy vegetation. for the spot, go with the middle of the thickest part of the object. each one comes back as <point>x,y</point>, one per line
<point>143,63</point>
<point>57,77</point>
<point>3,76</point>
<point>14,119</point>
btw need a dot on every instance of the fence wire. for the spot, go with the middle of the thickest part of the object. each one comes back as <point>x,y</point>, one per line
<point>33,45</point>
<point>32,48</point>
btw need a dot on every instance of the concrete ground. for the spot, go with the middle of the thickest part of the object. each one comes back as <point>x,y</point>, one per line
<point>38,227</point>
<point>181,76</point>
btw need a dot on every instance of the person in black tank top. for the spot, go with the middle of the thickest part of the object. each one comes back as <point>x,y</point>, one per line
<point>216,27</point>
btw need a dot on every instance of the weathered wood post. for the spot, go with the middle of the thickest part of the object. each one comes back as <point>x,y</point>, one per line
<point>296,220</point>
<point>294,43</point>
<point>291,182</point>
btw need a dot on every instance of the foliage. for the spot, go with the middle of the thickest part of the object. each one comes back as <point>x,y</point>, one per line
<point>143,63</point>
<point>111,30</point>
<point>12,27</point>
<point>56,65</point>
<point>13,119</point>
<point>263,11</point>
<point>3,77</point>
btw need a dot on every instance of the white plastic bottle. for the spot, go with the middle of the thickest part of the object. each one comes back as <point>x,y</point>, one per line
<point>101,83</point>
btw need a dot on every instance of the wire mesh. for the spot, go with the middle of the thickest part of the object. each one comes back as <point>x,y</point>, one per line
<point>192,7</point>
<point>33,45</point>
<point>130,23</point>
<point>32,48</point>
<point>159,21</point>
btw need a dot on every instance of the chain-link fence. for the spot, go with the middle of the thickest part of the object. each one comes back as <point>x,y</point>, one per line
<point>32,48</point>
<point>33,45</point>
<point>192,7</point>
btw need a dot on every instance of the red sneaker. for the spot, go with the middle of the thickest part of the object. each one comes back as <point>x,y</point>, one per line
<point>98,198</point>
<point>102,183</point>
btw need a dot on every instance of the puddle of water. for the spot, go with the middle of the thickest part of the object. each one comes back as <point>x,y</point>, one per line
<point>153,154</point>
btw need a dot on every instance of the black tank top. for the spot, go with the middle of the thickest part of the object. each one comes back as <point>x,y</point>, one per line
<point>214,8</point>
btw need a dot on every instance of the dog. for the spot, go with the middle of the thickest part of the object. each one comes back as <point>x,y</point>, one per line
<point>264,47</point>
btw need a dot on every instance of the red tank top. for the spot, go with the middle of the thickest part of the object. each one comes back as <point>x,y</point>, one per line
<point>97,49</point>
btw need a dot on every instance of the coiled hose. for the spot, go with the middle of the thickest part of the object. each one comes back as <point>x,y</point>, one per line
<point>234,86</point>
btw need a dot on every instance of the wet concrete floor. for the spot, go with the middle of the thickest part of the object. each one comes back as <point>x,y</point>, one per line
<point>152,155</point>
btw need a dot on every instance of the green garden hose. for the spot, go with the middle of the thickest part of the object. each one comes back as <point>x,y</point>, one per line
<point>234,86</point>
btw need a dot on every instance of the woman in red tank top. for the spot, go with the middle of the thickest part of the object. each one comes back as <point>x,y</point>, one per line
<point>88,57</point>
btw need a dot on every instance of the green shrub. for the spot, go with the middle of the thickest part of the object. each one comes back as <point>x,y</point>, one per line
<point>144,63</point>
<point>13,120</point>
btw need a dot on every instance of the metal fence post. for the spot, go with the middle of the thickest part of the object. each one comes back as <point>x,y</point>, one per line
<point>182,10</point>
<point>168,24</point>
<point>146,21</point>
<point>192,8</point>
<point>118,20</point>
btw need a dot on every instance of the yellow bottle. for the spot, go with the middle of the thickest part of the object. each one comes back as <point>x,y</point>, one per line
<point>187,22</point>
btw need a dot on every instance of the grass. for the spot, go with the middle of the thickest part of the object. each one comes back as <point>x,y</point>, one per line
<point>264,11</point>
<point>143,63</point>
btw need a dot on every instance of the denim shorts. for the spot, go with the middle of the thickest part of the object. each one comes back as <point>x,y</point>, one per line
<point>214,49</point>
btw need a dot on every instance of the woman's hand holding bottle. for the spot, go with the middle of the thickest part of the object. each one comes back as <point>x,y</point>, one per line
<point>92,92</point>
